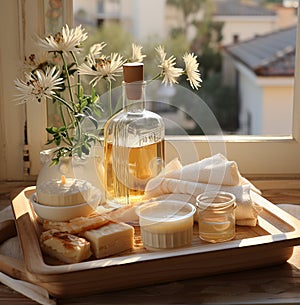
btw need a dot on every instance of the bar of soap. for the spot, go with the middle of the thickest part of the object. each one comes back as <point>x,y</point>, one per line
<point>110,239</point>
<point>76,225</point>
<point>64,246</point>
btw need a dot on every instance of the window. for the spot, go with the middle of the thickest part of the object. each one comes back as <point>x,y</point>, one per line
<point>235,38</point>
<point>254,154</point>
<point>100,7</point>
<point>235,84</point>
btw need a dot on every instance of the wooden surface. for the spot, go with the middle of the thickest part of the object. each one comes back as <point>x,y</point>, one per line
<point>273,285</point>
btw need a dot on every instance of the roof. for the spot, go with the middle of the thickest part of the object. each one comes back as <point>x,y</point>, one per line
<point>268,55</point>
<point>236,8</point>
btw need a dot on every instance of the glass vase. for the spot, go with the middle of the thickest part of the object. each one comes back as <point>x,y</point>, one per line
<point>89,168</point>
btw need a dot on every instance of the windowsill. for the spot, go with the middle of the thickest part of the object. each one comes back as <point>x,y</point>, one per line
<point>254,155</point>
<point>230,138</point>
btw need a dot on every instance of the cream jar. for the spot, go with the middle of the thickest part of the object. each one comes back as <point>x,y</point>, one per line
<point>216,216</point>
<point>166,224</point>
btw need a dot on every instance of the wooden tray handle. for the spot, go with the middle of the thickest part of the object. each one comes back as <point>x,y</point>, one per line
<point>7,230</point>
<point>14,268</point>
<point>10,265</point>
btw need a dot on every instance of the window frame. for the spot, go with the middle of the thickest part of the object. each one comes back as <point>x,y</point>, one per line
<point>265,156</point>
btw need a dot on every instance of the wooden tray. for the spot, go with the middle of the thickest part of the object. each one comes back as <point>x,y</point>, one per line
<point>270,242</point>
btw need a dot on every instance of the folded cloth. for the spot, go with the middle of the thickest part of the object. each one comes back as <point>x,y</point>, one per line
<point>215,173</point>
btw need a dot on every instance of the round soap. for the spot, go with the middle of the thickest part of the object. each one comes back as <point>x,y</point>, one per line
<point>63,193</point>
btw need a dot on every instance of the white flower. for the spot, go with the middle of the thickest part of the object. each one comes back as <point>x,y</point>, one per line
<point>95,51</point>
<point>103,68</point>
<point>169,72</point>
<point>66,41</point>
<point>192,71</point>
<point>161,52</point>
<point>137,55</point>
<point>38,85</point>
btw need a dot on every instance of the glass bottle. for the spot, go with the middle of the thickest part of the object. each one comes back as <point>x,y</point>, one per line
<point>133,143</point>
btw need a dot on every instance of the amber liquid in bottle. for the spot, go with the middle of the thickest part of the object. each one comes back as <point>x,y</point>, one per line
<point>133,147</point>
<point>144,163</point>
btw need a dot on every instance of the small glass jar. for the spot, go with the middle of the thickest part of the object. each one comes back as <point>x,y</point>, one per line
<point>216,216</point>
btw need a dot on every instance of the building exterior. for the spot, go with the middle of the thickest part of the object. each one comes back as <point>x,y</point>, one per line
<point>143,19</point>
<point>155,18</point>
<point>259,62</point>
<point>262,70</point>
<point>243,21</point>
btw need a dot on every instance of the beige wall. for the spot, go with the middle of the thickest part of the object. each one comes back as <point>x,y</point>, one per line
<point>245,27</point>
<point>268,101</point>
<point>286,17</point>
<point>277,112</point>
<point>148,19</point>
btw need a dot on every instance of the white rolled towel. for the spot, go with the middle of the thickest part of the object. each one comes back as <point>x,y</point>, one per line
<point>215,173</point>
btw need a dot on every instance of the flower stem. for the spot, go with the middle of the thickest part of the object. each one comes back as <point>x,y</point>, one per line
<point>69,142</point>
<point>64,102</point>
<point>109,98</point>
<point>154,78</point>
<point>68,80</point>
<point>78,75</point>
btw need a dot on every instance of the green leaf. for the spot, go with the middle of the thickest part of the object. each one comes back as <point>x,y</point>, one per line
<point>80,93</point>
<point>84,104</point>
<point>52,130</point>
<point>50,141</point>
<point>93,120</point>
<point>79,152</point>
<point>95,96</point>
<point>55,161</point>
<point>98,110</point>
<point>61,129</point>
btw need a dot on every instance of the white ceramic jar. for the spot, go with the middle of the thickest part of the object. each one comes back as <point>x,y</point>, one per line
<point>166,224</point>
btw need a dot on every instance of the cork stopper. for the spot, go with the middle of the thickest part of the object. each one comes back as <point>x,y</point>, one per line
<point>133,74</point>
